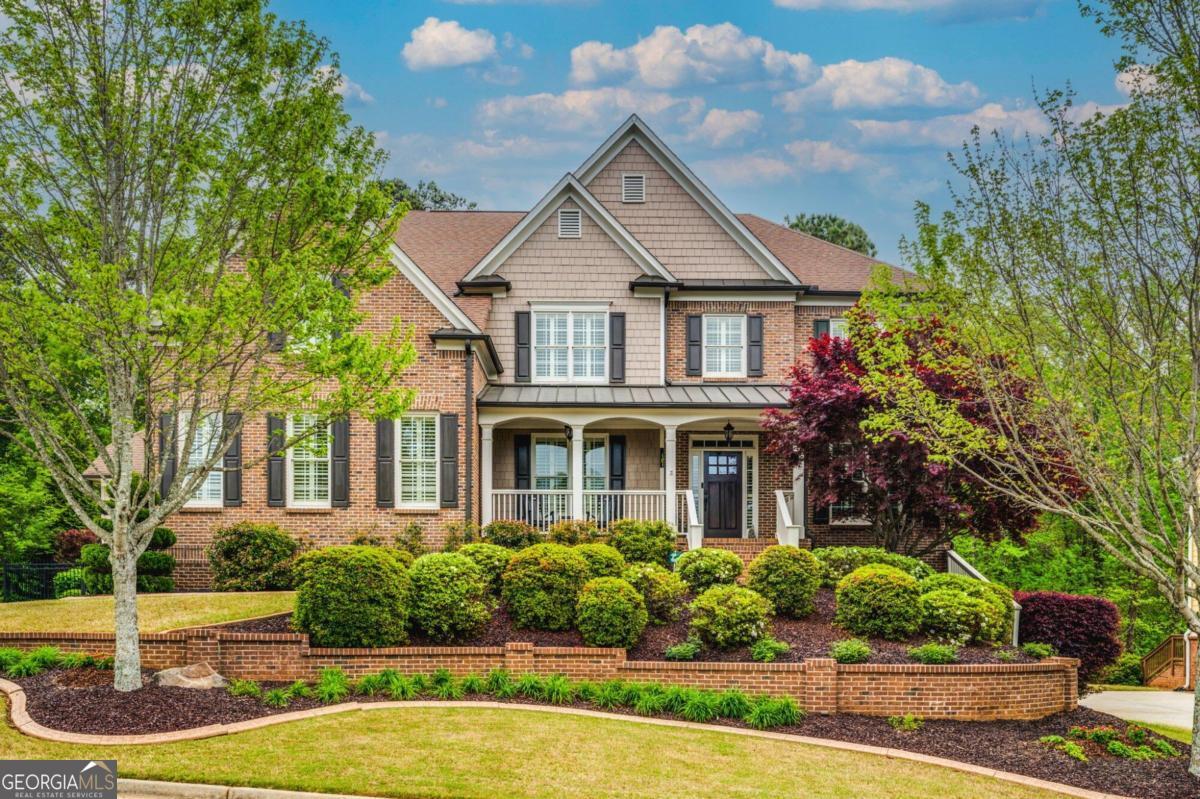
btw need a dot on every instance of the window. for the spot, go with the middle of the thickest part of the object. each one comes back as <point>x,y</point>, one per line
<point>417,461</point>
<point>206,440</point>
<point>725,346</point>
<point>570,346</point>
<point>308,462</point>
<point>570,224</point>
<point>595,464</point>
<point>839,328</point>
<point>552,459</point>
<point>633,188</point>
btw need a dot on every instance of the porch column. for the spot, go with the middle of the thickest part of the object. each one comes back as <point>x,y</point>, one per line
<point>576,471</point>
<point>798,499</point>
<point>485,474</point>
<point>669,476</point>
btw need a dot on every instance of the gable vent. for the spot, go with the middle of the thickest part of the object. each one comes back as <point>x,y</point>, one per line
<point>633,188</point>
<point>570,226</point>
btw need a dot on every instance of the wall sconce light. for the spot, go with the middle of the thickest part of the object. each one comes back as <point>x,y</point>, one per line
<point>568,432</point>
<point>728,428</point>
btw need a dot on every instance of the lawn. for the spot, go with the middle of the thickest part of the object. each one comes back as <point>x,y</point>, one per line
<point>1177,733</point>
<point>468,752</point>
<point>156,612</point>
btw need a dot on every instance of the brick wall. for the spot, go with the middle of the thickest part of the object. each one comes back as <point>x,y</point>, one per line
<point>779,338</point>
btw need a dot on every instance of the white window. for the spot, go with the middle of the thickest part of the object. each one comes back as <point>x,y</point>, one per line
<point>839,328</point>
<point>309,462</point>
<point>570,346</point>
<point>724,346</point>
<point>206,440</point>
<point>633,188</point>
<point>595,464</point>
<point>570,225</point>
<point>417,461</point>
<point>552,458</point>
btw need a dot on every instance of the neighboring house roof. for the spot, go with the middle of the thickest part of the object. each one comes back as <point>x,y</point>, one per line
<point>674,396</point>
<point>98,471</point>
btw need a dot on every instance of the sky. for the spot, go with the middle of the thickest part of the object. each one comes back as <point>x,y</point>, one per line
<point>780,106</point>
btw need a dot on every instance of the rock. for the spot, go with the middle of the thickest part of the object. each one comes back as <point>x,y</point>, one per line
<point>197,675</point>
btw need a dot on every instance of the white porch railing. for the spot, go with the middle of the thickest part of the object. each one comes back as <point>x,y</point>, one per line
<point>543,508</point>
<point>788,530</point>
<point>538,508</point>
<point>605,507</point>
<point>688,515</point>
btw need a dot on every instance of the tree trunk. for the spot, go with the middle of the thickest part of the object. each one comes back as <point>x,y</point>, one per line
<point>1194,764</point>
<point>127,661</point>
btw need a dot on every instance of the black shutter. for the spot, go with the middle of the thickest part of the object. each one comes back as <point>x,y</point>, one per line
<point>821,515</point>
<point>276,467</point>
<point>166,447</point>
<point>695,345</point>
<point>523,349</point>
<point>385,463</point>
<point>448,462</point>
<point>232,477</point>
<point>616,463</point>
<point>521,460</point>
<point>275,340</point>
<point>339,488</point>
<point>820,328</point>
<point>616,348</point>
<point>754,346</point>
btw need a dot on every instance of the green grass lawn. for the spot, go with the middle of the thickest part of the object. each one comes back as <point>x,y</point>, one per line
<point>156,612</point>
<point>1177,733</point>
<point>1104,687</point>
<point>469,752</point>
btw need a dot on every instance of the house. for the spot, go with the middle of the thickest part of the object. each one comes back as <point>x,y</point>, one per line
<point>606,354</point>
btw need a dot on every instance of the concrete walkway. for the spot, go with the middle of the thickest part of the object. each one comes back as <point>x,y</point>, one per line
<point>1172,708</point>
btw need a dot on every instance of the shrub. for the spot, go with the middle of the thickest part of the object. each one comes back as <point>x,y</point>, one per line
<point>1127,670</point>
<point>950,615</point>
<point>67,543</point>
<point>446,599</point>
<point>662,590</point>
<point>332,685</point>
<point>541,585</point>
<point>1038,650</point>
<point>511,533</point>
<point>277,697</point>
<point>610,612</point>
<point>572,532</point>
<point>252,557</point>
<point>459,534</point>
<point>491,560</point>
<point>934,654</point>
<point>643,541</point>
<point>766,713</point>
<point>728,616</point>
<point>788,576</point>
<point>602,560</point>
<point>352,596</point>
<point>850,650</point>
<point>244,688</point>
<point>879,601</point>
<point>688,650</point>
<point>767,649</point>
<point>1000,597</point>
<point>412,539</point>
<point>69,583</point>
<point>1083,627</point>
<point>840,561</point>
<point>906,723</point>
<point>703,568</point>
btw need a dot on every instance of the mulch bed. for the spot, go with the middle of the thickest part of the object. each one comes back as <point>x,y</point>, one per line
<point>809,637</point>
<point>80,701</point>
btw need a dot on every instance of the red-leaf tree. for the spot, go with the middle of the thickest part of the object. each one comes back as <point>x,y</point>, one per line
<point>913,503</point>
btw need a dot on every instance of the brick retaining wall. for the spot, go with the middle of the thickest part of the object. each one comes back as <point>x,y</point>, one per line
<point>978,692</point>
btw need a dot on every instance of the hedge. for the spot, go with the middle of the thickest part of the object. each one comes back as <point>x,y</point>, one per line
<point>1083,627</point>
<point>352,596</point>
<point>491,559</point>
<point>643,541</point>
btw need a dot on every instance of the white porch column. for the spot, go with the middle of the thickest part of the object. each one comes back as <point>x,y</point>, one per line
<point>798,499</point>
<point>669,476</point>
<point>576,471</point>
<point>485,474</point>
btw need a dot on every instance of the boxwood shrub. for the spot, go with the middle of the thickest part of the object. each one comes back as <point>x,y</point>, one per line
<point>512,533</point>
<point>491,559</point>
<point>879,601</point>
<point>705,567</point>
<point>351,596</point>
<point>603,560</point>
<point>248,556</point>
<point>610,612</point>
<point>573,531</point>
<point>727,616</point>
<point>541,585</point>
<point>840,561</point>
<point>950,615</point>
<point>661,589</point>
<point>999,597</point>
<point>643,541</point>
<point>447,598</point>
<point>788,576</point>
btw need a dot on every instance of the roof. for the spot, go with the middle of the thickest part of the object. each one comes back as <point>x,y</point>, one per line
<point>674,396</point>
<point>97,469</point>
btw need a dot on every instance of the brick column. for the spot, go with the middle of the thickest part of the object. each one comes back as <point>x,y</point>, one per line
<point>518,657</point>
<point>1070,668</point>
<point>820,685</point>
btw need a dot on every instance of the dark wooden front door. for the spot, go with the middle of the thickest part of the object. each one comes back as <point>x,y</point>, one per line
<point>723,494</point>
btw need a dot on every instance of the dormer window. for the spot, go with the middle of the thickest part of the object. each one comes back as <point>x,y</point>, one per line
<point>633,188</point>
<point>570,223</point>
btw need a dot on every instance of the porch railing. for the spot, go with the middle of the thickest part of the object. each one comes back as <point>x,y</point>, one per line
<point>687,515</point>
<point>605,507</point>
<point>788,530</point>
<point>538,508</point>
<point>543,508</point>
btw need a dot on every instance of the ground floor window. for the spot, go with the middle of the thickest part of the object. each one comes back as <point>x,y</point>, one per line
<point>204,443</point>
<point>552,463</point>
<point>417,459</point>
<point>309,462</point>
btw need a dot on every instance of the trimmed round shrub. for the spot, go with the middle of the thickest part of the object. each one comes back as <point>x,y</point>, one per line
<point>491,560</point>
<point>402,556</point>
<point>879,601</point>
<point>643,541</point>
<point>447,596</point>
<point>249,556</point>
<point>511,533</point>
<point>603,560</point>
<point>573,531</point>
<point>1000,597</point>
<point>662,590</point>
<point>352,596</point>
<point>840,561</point>
<point>610,612</point>
<point>788,576</point>
<point>705,567</point>
<point>162,538</point>
<point>1084,627</point>
<point>155,564</point>
<point>541,585</point>
<point>950,615</point>
<point>69,583</point>
<point>728,615</point>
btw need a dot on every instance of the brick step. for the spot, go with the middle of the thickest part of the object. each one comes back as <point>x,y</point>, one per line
<point>745,548</point>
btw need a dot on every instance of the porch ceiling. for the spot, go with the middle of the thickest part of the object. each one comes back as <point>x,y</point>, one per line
<point>675,396</point>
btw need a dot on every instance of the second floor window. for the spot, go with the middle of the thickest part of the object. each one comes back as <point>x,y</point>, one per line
<point>309,462</point>
<point>204,443</point>
<point>725,346</point>
<point>417,461</point>
<point>570,346</point>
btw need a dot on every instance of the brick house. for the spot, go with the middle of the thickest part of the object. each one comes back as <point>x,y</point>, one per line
<point>606,354</point>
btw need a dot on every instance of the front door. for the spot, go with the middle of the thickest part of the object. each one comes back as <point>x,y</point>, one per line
<point>723,494</point>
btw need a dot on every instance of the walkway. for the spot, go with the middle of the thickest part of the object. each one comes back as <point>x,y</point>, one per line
<point>1172,708</point>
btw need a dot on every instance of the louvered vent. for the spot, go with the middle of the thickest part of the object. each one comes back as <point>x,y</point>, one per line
<point>633,188</point>
<point>569,224</point>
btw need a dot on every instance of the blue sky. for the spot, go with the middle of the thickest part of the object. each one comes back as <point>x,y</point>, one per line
<point>781,106</point>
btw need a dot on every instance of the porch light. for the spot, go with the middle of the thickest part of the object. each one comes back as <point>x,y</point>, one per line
<point>568,432</point>
<point>728,428</point>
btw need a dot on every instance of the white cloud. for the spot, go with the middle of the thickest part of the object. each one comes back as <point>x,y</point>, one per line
<point>703,54</point>
<point>436,102</point>
<point>492,145</point>
<point>721,127</point>
<point>503,75</point>
<point>746,170</point>
<point>951,130</point>
<point>1136,78</point>
<point>587,109</point>
<point>823,156</point>
<point>883,83</point>
<point>351,91</point>
<point>958,10</point>
<point>513,43</point>
<point>447,44</point>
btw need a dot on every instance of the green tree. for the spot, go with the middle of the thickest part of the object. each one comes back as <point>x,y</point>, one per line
<point>834,229</point>
<point>425,196</point>
<point>186,215</point>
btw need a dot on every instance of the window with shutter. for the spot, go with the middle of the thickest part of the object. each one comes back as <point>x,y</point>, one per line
<point>417,461</point>
<point>725,346</point>
<point>207,438</point>
<point>309,462</point>
<point>633,188</point>
<point>570,223</point>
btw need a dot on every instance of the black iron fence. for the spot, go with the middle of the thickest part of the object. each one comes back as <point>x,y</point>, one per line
<point>25,581</point>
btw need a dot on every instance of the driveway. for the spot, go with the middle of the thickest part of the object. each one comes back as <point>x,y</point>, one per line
<point>1172,708</point>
